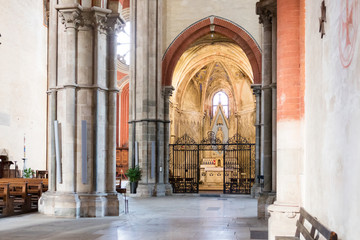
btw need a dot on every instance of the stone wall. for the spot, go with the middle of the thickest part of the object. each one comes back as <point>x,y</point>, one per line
<point>180,14</point>
<point>23,78</point>
<point>332,98</point>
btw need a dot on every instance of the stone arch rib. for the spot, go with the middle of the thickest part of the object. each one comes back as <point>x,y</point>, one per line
<point>201,28</point>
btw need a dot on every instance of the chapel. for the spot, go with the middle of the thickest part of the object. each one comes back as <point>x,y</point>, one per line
<point>238,97</point>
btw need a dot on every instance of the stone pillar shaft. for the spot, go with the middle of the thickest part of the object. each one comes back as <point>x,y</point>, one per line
<point>257,93</point>
<point>266,104</point>
<point>146,102</point>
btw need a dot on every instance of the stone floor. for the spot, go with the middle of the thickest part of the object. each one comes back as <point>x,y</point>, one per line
<point>175,217</point>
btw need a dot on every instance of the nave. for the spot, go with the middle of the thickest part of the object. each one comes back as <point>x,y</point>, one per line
<point>175,217</point>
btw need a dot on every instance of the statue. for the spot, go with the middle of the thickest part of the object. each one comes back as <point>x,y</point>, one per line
<point>220,134</point>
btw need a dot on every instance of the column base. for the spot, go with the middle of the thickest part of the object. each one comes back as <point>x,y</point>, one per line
<point>168,189</point>
<point>80,205</point>
<point>153,190</point>
<point>114,204</point>
<point>60,204</point>
<point>282,221</point>
<point>255,190</point>
<point>92,205</point>
<point>264,201</point>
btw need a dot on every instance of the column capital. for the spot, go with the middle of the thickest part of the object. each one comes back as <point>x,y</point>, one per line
<point>266,9</point>
<point>167,91</point>
<point>70,15</point>
<point>100,18</point>
<point>114,24</point>
<point>256,89</point>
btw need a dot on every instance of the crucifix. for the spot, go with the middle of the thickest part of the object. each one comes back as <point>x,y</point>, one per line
<point>322,19</point>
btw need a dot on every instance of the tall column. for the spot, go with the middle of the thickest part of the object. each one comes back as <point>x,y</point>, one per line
<point>167,92</point>
<point>113,26</point>
<point>274,98</point>
<point>266,99</point>
<point>256,187</point>
<point>290,149</point>
<point>84,60</point>
<point>147,121</point>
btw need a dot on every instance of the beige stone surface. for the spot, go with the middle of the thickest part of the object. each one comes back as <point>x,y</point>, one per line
<point>180,14</point>
<point>331,182</point>
<point>23,81</point>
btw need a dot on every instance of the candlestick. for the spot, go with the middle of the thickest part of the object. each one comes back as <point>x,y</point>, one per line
<point>24,147</point>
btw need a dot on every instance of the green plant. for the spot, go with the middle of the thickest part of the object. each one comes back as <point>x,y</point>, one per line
<point>134,174</point>
<point>28,173</point>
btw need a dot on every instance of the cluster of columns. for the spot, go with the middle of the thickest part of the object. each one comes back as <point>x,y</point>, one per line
<point>82,104</point>
<point>149,101</point>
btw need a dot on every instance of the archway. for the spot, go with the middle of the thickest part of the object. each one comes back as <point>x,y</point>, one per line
<point>208,58</point>
<point>209,25</point>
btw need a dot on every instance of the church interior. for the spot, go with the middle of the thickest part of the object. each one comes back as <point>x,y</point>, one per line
<point>252,101</point>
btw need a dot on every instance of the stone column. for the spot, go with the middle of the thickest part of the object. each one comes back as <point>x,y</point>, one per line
<point>266,97</point>
<point>290,121</point>
<point>85,91</point>
<point>146,104</point>
<point>266,9</point>
<point>167,92</point>
<point>53,28</point>
<point>274,98</point>
<point>113,201</point>
<point>256,187</point>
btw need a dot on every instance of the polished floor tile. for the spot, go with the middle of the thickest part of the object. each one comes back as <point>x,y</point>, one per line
<point>176,217</point>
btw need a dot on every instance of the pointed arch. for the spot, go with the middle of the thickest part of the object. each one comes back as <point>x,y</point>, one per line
<point>206,26</point>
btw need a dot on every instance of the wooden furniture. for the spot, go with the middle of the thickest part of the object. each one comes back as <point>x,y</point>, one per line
<point>122,161</point>
<point>6,202</point>
<point>25,192</point>
<point>119,189</point>
<point>5,166</point>
<point>316,229</point>
<point>22,199</point>
<point>42,174</point>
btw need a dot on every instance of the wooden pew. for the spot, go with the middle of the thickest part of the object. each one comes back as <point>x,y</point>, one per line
<point>6,202</point>
<point>310,234</point>
<point>21,198</point>
<point>35,187</point>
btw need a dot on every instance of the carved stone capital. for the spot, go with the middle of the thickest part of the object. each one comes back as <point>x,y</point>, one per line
<point>256,89</point>
<point>266,9</point>
<point>265,16</point>
<point>99,21</point>
<point>167,91</point>
<point>114,24</point>
<point>70,17</point>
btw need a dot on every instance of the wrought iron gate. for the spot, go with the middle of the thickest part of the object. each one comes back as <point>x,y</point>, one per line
<point>230,165</point>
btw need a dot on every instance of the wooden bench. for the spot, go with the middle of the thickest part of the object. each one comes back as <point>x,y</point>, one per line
<point>35,187</point>
<point>6,202</point>
<point>22,200</point>
<point>316,229</point>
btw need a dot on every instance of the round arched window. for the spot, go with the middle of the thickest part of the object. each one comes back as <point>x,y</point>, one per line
<point>220,98</point>
<point>123,41</point>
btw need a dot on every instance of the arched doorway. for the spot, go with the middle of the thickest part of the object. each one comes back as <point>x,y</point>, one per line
<point>211,65</point>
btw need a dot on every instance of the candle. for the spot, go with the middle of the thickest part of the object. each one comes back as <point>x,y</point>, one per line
<point>24,147</point>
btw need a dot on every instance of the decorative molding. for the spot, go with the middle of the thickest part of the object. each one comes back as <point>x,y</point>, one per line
<point>71,18</point>
<point>266,9</point>
<point>167,91</point>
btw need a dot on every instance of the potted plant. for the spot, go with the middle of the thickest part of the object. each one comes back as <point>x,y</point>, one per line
<point>28,173</point>
<point>134,175</point>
